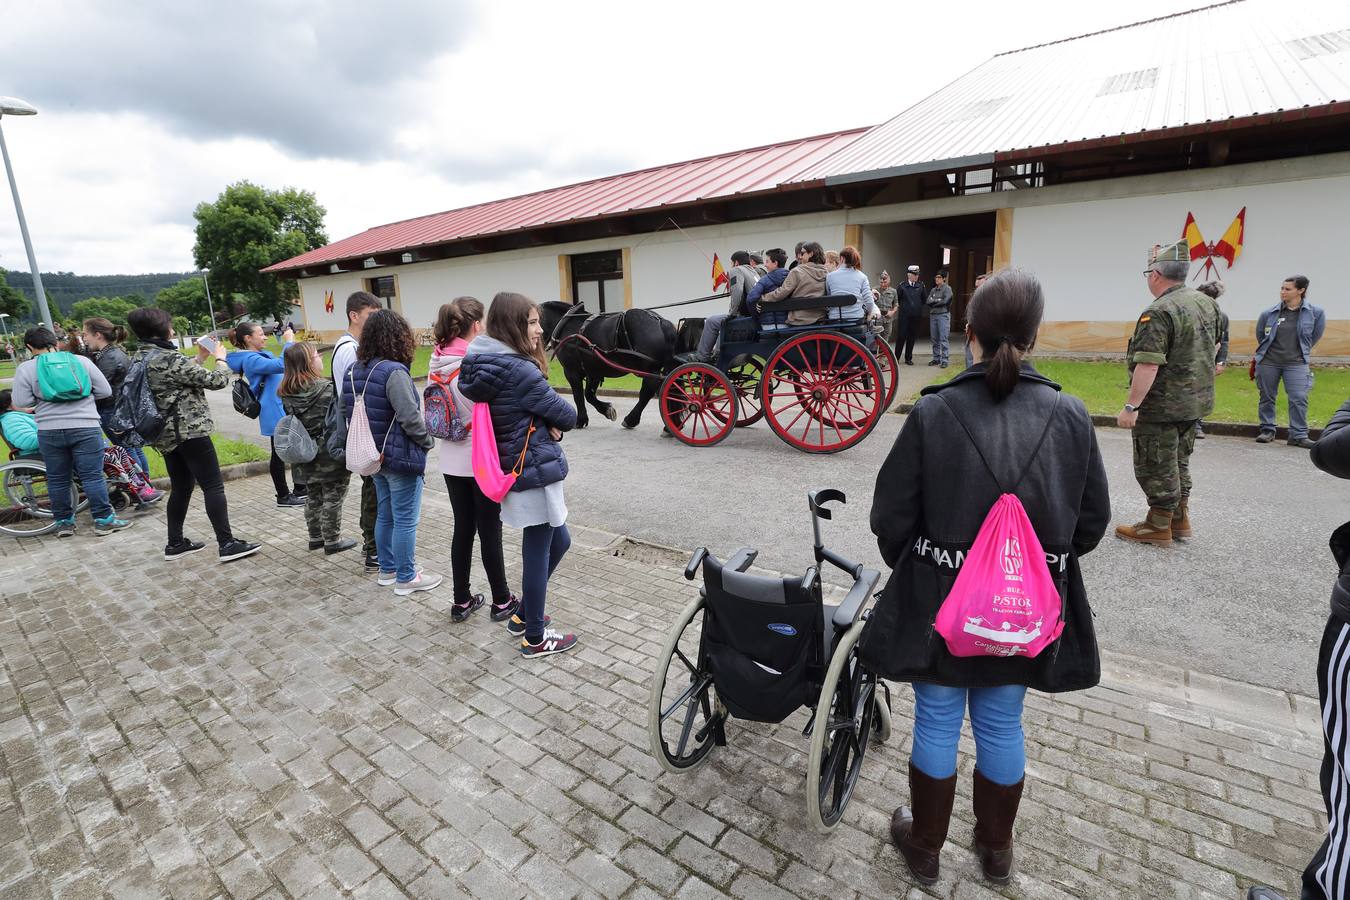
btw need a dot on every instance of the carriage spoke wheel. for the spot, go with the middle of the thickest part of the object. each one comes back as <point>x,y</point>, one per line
<point>684,717</point>
<point>822,392</point>
<point>844,718</point>
<point>25,507</point>
<point>698,404</point>
<point>889,366</point>
<point>745,377</point>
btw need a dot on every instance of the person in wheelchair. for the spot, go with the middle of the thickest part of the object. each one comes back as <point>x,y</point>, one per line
<point>962,444</point>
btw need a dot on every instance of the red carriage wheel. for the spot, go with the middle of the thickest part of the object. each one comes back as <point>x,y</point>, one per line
<point>698,404</point>
<point>822,392</point>
<point>745,377</point>
<point>890,368</point>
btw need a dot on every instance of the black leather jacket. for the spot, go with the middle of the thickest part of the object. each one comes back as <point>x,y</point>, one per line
<point>1332,455</point>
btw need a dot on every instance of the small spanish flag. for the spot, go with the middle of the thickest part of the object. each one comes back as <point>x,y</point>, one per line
<point>327,301</point>
<point>719,274</point>
<point>1230,245</point>
<point>1194,239</point>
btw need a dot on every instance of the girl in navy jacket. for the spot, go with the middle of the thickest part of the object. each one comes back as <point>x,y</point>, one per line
<point>505,368</point>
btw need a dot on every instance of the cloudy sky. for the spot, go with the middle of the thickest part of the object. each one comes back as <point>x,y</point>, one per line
<point>406,107</point>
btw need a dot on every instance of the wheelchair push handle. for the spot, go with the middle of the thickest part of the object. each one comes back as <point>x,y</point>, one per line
<point>817,501</point>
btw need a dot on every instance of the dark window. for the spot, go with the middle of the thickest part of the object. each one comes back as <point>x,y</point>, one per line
<point>383,287</point>
<point>597,280</point>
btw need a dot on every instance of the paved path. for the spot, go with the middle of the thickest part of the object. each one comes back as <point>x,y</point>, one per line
<point>282,727</point>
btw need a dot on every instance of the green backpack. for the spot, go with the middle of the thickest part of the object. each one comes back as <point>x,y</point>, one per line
<point>61,377</point>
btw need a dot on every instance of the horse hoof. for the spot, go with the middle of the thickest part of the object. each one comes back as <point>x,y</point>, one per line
<point>611,413</point>
<point>629,425</point>
<point>581,423</point>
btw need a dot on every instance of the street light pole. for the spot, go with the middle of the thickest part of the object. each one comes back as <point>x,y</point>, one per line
<point>15,107</point>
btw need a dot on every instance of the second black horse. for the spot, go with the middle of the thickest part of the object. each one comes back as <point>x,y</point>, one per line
<point>635,339</point>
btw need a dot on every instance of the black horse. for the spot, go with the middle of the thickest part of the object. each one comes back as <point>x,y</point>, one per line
<point>637,339</point>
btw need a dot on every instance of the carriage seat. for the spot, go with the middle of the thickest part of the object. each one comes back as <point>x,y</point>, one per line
<point>829,301</point>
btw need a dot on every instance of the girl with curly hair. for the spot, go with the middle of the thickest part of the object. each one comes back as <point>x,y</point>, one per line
<point>382,375</point>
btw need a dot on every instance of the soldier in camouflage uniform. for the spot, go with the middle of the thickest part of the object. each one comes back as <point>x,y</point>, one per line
<point>1171,360</point>
<point>307,395</point>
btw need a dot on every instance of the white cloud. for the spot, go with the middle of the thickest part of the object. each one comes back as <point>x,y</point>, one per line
<point>393,111</point>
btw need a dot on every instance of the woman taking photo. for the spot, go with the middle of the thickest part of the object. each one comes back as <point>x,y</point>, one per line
<point>104,340</point>
<point>263,373</point>
<point>382,375</point>
<point>458,323</point>
<point>178,385</point>
<point>986,424</point>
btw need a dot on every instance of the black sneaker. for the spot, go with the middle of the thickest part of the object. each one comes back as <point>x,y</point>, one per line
<point>505,610</point>
<point>372,563</point>
<point>1265,437</point>
<point>515,625</point>
<point>237,549</point>
<point>338,546</point>
<point>185,547</point>
<point>316,544</point>
<point>461,611</point>
<point>1305,443</point>
<point>290,500</point>
<point>933,362</point>
<point>909,362</point>
<point>552,642</point>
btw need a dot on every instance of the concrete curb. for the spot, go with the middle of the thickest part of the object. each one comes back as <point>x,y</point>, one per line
<point>1225,429</point>
<point>227,473</point>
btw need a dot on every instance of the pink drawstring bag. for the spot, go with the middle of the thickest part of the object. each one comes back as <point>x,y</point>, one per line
<point>1004,601</point>
<point>487,467</point>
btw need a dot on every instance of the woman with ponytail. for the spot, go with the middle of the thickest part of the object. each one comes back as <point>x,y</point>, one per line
<point>998,427</point>
<point>104,340</point>
<point>458,323</point>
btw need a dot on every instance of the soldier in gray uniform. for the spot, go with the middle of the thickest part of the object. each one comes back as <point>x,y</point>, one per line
<point>1171,360</point>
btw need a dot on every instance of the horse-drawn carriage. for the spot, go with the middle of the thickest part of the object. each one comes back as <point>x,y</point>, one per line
<point>822,387</point>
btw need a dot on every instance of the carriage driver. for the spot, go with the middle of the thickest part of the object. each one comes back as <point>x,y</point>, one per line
<point>740,280</point>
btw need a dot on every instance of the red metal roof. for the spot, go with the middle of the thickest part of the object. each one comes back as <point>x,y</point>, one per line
<point>712,177</point>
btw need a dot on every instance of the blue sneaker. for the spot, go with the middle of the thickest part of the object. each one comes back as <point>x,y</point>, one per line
<point>65,527</point>
<point>109,525</point>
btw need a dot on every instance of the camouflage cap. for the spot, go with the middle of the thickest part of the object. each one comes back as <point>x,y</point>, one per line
<point>1178,252</point>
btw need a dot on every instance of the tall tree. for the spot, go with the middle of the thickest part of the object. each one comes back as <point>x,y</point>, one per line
<point>186,298</point>
<point>247,229</point>
<point>114,309</point>
<point>12,301</point>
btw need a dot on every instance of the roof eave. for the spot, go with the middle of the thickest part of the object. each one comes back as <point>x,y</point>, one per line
<point>934,165</point>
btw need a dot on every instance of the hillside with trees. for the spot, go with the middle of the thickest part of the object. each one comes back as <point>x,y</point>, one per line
<point>65,289</point>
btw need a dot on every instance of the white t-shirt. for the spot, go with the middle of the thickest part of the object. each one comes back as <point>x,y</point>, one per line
<point>344,357</point>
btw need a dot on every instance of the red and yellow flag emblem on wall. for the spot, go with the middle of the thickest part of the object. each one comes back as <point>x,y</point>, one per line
<point>1194,239</point>
<point>1230,245</point>
<point>327,301</point>
<point>719,274</point>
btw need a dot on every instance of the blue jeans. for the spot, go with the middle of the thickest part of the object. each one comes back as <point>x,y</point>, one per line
<point>138,454</point>
<point>541,549</point>
<point>939,326</point>
<point>77,450</point>
<point>400,501</point>
<point>1298,382</point>
<point>995,719</point>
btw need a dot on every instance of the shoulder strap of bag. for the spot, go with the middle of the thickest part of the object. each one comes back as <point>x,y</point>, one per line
<point>520,463</point>
<point>1050,420</point>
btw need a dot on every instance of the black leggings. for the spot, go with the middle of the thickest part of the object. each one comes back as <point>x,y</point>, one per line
<point>193,463</point>
<point>475,512</point>
<point>278,470</point>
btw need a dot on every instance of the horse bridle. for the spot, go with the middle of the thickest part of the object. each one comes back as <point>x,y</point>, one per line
<point>553,337</point>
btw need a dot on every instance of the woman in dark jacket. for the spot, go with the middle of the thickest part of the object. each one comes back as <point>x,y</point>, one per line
<point>505,369</point>
<point>997,427</point>
<point>1328,873</point>
<point>382,375</point>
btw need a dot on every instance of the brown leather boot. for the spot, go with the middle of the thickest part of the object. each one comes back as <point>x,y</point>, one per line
<point>995,812</point>
<point>921,831</point>
<point>1155,529</point>
<point>1181,521</point>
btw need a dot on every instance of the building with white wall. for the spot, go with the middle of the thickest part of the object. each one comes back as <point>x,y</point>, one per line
<point>1068,159</point>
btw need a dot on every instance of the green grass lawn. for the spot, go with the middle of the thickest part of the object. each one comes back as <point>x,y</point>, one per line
<point>229,450</point>
<point>1104,385</point>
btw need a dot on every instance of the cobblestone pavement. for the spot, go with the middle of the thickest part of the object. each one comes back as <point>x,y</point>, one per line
<point>282,727</point>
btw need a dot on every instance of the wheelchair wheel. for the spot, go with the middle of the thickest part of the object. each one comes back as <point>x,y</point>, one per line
<point>25,508</point>
<point>684,717</point>
<point>845,715</point>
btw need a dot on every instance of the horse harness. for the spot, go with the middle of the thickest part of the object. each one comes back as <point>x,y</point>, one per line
<point>621,336</point>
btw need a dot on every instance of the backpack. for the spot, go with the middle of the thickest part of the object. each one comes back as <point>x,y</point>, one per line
<point>1004,601</point>
<point>245,402</point>
<point>61,377</point>
<point>335,432</point>
<point>362,456</point>
<point>439,410</point>
<point>292,440</point>
<point>487,465</point>
<point>136,420</point>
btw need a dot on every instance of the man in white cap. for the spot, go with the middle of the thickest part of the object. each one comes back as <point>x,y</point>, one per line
<point>909,318</point>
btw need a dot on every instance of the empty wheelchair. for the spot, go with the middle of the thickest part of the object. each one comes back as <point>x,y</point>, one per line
<point>759,648</point>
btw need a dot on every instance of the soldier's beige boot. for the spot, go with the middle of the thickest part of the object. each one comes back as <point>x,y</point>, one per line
<point>1181,522</point>
<point>1155,529</point>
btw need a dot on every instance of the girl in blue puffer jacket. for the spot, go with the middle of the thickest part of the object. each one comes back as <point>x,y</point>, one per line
<point>505,368</point>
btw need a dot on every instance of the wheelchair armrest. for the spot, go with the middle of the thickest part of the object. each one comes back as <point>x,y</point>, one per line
<point>695,563</point>
<point>848,610</point>
<point>741,560</point>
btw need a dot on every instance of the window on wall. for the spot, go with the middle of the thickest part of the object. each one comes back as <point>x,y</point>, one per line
<point>597,280</point>
<point>384,287</point>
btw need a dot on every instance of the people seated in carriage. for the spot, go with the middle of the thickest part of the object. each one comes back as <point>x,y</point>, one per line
<point>775,272</point>
<point>807,279</point>
<point>848,278</point>
<point>740,280</point>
